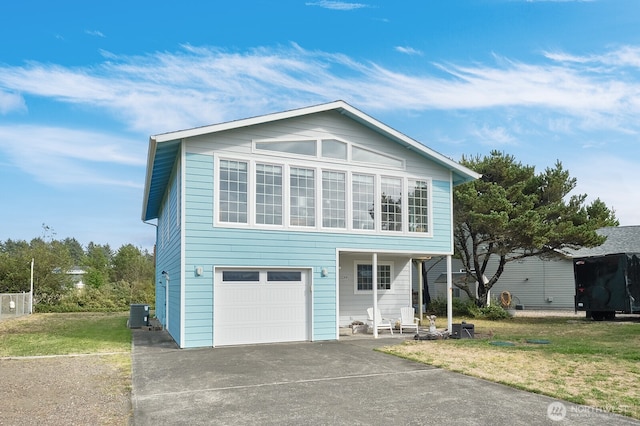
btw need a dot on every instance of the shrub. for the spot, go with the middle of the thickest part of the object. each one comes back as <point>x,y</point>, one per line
<point>492,312</point>
<point>438,307</point>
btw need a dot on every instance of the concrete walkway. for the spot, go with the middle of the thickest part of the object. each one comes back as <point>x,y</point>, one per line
<point>325,383</point>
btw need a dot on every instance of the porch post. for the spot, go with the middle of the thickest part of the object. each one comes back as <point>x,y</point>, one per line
<point>449,295</point>
<point>420,284</point>
<point>374,279</point>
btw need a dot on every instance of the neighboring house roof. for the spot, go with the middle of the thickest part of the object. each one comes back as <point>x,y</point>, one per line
<point>620,239</point>
<point>164,147</point>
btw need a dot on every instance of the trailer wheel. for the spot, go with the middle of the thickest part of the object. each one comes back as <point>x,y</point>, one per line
<point>598,315</point>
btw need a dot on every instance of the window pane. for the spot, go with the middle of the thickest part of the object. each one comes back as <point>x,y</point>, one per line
<point>303,208</point>
<point>241,276</point>
<point>268,194</point>
<point>233,191</point>
<point>333,200</point>
<point>365,277</point>
<point>290,147</point>
<point>391,204</point>
<point>334,149</point>
<point>366,156</point>
<point>284,276</point>
<point>418,206</point>
<point>362,187</point>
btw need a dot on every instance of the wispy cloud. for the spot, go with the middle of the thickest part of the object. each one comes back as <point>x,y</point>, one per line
<point>58,156</point>
<point>94,33</point>
<point>195,86</point>
<point>199,86</point>
<point>408,50</point>
<point>337,5</point>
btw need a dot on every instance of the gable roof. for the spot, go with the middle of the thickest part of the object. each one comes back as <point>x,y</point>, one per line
<point>164,147</point>
<point>620,239</point>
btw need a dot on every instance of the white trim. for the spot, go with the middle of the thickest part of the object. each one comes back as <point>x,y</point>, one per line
<point>391,266</point>
<point>181,170</point>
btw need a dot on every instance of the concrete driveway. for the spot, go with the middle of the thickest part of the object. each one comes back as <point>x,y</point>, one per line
<point>325,383</point>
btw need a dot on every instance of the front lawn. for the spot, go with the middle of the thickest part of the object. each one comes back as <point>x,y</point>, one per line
<point>586,362</point>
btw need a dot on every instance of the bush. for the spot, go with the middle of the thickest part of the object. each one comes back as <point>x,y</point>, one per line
<point>493,312</point>
<point>110,297</point>
<point>438,307</point>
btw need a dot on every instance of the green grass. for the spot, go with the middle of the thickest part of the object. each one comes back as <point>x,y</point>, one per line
<point>586,362</point>
<point>63,334</point>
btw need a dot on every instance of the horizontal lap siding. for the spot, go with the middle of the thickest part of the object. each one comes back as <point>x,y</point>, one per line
<point>169,260</point>
<point>198,214</point>
<point>208,247</point>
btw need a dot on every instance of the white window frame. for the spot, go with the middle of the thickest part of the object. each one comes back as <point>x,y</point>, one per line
<point>368,263</point>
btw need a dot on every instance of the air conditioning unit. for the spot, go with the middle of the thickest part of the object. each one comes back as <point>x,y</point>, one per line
<point>138,315</point>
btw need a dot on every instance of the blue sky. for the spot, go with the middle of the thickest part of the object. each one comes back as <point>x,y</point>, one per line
<point>84,84</point>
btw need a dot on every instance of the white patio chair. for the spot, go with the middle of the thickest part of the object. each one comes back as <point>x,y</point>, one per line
<point>383,324</point>
<point>408,318</point>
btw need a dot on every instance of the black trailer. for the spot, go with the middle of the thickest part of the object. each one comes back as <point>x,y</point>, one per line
<point>607,284</point>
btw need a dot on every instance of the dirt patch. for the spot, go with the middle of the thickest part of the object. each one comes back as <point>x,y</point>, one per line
<point>66,390</point>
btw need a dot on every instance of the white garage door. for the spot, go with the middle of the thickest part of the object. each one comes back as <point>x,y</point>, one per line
<point>260,306</point>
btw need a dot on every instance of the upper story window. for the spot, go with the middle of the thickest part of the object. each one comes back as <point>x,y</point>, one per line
<point>418,197</point>
<point>303,197</point>
<point>290,147</point>
<point>268,194</point>
<point>308,195</point>
<point>328,149</point>
<point>332,148</point>
<point>233,191</point>
<point>333,199</point>
<point>391,204</point>
<point>363,201</point>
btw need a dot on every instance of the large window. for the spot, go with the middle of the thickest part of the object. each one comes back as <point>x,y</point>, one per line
<point>363,196</point>
<point>268,194</point>
<point>302,198</point>
<point>364,277</point>
<point>296,194</point>
<point>418,205</point>
<point>233,191</point>
<point>333,200</point>
<point>391,204</point>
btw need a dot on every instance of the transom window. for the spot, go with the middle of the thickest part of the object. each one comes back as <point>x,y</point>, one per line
<point>364,277</point>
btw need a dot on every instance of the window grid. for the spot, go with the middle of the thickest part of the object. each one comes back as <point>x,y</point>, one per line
<point>233,191</point>
<point>391,204</point>
<point>364,277</point>
<point>363,196</point>
<point>418,206</point>
<point>333,200</point>
<point>302,197</point>
<point>268,194</point>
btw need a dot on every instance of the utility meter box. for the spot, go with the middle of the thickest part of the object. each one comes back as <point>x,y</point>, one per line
<point>138,315</point>
<point>462,331</point>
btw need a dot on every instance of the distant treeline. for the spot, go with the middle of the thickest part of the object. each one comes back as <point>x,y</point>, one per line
<point>112,279</point>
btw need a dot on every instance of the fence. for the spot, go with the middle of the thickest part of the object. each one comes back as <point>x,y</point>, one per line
<point>14,305</point>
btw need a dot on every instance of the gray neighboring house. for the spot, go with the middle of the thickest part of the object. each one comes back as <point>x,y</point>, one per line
<point>535,283</point>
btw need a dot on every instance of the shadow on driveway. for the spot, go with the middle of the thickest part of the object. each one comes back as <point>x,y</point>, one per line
<point>341,382</point>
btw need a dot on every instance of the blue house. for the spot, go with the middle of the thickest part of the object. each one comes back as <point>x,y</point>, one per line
<point>286,226</point>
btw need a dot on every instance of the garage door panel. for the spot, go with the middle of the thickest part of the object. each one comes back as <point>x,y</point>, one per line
<point>263,311</point>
